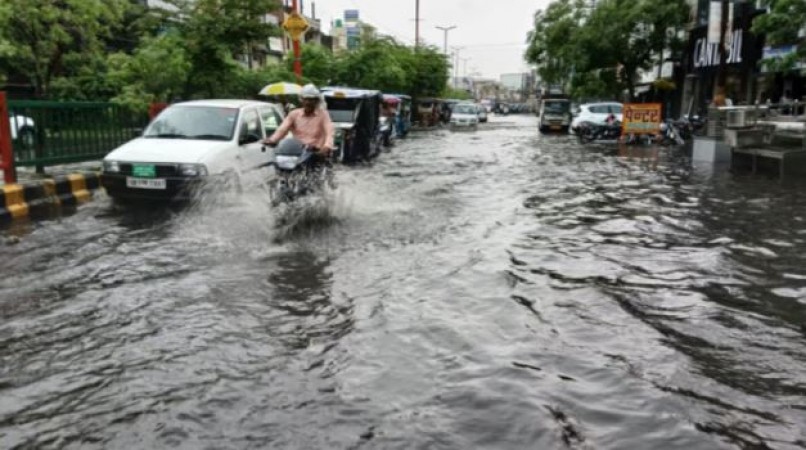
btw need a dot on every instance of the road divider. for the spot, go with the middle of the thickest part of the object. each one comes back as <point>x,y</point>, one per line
<point>39,198</point>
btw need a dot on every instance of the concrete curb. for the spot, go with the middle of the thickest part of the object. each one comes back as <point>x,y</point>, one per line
<point>36,198</point>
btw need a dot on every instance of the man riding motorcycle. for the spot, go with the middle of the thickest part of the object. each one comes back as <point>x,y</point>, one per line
<point>310,125</point>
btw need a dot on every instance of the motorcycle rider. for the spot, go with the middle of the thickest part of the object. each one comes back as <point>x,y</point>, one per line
<point>309,124</point>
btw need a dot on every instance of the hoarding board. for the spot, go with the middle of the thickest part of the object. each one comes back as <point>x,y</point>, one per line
<point>641,118</point>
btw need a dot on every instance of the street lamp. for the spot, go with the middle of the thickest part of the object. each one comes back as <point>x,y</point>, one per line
<point>445,42</point>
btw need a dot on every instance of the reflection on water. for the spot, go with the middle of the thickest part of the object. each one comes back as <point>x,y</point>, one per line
<point>494,289</point>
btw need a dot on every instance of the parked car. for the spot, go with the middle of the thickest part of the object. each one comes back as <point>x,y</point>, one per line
<point>482,113</point>
<point>465,115</point>
<point>189,144</point>
<point>596,113</point>
<point>22,128</point>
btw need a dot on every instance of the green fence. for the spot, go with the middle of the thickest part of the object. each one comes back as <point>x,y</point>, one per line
<point>50,133</point>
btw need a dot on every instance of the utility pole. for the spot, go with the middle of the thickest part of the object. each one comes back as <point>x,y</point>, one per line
<point>297,51</point>
<point>416,24</point>
<point>456,51</point>
<point>445,30</point>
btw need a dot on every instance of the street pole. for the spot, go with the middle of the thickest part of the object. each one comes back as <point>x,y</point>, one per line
<point>722,74</point>
<point>416,23</point>
<point>445,30</point>
<point>456,51</point>
<point>297,52</point>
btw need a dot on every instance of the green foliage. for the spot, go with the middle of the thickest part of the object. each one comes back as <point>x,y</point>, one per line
<point>120,50</point>
<point>459,94</point>
<point>318,63</point>
<point>37,37</point>
<point>158,71</point>
<point>581,48</point>
<point>781,26</point>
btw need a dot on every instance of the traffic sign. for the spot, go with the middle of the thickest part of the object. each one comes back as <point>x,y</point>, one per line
<point>295,25</point>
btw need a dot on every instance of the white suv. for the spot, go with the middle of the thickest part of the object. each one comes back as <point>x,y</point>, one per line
<point>596,113</point>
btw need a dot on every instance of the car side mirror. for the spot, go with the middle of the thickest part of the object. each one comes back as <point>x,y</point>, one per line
<point>250,138</point>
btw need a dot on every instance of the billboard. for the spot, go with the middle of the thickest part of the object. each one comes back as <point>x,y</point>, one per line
<point>351,15</point>
<point>641,118</point>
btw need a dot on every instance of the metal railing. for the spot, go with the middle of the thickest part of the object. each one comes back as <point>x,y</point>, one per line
<point>49,133</point>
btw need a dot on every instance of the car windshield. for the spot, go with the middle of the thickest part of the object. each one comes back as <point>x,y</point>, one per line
<point>464,109</point>
<point>194,122</point>
<point>556,107</point>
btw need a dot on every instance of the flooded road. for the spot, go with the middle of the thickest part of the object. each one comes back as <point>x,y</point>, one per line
<point>487,290</point>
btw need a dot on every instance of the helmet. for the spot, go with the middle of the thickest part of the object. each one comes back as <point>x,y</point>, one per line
<point>309,91</point>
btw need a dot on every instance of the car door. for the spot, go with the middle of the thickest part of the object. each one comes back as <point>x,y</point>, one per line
<point>271,117</point>
<point>599,113</point>
<point>250,146</point>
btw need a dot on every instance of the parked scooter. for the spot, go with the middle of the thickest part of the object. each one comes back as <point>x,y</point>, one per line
<point>588,132</point>
<point>298,172</point>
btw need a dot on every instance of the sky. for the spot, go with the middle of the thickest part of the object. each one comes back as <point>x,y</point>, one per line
<point>492,33</point>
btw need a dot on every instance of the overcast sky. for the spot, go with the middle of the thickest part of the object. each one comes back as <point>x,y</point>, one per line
<point>492,32</point>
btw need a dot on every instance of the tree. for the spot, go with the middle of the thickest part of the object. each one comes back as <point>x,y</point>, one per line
<point>38,37</point>
<point>601,51</point>
<point>318,64</point>
<point>430,72</point>
<point>551,46</point>
<point>381,64</point>
<point>782,26</point>
<point>157,72</point>
<point>214,32</point>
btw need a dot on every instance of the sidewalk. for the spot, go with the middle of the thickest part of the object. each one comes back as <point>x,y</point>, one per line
<point>39,194</point>
<point>28,174</point>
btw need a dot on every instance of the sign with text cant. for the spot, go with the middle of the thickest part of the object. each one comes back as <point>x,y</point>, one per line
<point>641,118</point>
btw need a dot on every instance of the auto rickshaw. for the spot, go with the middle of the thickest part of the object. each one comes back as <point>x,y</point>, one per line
<point>403,119</point>
<point>428,112</point>
<point>355,114</point>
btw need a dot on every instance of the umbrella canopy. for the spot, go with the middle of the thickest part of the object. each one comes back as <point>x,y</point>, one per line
<point>281,89</point>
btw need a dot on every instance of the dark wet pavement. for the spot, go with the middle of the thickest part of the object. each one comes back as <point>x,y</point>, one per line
<point>491,289</point>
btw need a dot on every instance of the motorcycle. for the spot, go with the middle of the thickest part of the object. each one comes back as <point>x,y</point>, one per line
<point>299,172</point>
<point>670,134</point>
<point>589,132</point>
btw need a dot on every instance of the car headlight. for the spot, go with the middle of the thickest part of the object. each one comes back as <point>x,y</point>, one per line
<point>111,166</point>
<point>193,170</point>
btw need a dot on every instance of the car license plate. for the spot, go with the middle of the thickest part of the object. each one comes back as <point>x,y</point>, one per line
<point>145,183</point>
<point>144,170</point>
<point>556,127</point>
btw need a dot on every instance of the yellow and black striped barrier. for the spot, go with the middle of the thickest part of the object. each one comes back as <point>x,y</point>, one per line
<point>43,197</point>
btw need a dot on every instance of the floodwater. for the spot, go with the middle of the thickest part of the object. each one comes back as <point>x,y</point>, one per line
<point>471,290</point>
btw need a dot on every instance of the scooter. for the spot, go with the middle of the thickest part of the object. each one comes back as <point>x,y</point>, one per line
<point>589,132</point>
<point>298,173</point>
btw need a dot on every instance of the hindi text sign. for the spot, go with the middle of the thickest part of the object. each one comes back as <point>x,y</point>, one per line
<point>641,118</point>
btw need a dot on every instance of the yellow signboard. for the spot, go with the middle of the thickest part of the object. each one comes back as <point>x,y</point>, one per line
<point>295,25</point>
<point>641,118</point>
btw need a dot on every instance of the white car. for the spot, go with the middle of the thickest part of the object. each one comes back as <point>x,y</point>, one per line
<point>596,113</point>
<point>465,115</point>
<point>22,128</point>
<point>189,143</point>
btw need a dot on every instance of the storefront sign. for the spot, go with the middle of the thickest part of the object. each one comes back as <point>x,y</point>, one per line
<point>641,118</point>
<point>707,54</point>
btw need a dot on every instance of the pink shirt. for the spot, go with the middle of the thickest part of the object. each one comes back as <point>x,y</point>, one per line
<point>315,130</point>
